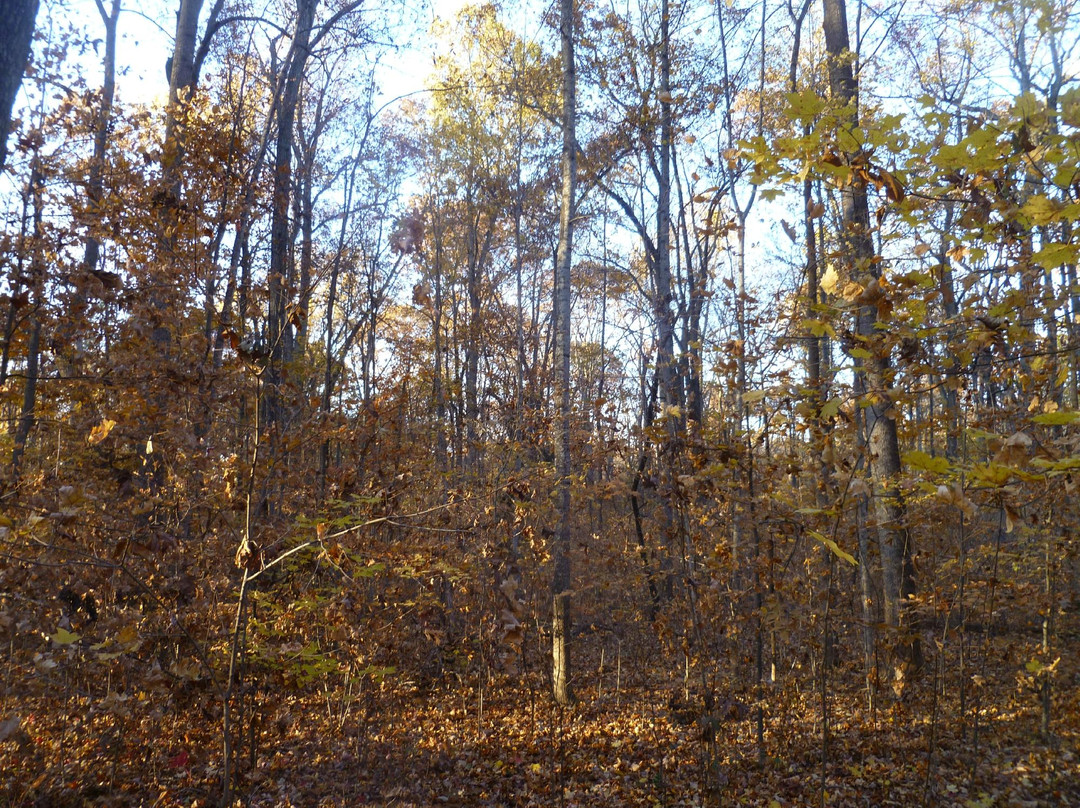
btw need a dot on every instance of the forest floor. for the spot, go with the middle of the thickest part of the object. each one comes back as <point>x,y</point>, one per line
<point>632,739</point>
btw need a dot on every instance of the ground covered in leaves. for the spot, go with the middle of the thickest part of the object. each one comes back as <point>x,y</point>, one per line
<point>635,738</point>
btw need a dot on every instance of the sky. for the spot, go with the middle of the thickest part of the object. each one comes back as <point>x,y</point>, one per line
<point>145,41</point>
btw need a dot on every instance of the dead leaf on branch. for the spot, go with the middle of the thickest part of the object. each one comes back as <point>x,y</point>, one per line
<point>296,314</point>
<point>1015,450</point>
<point>894,191</point>
<point>954,495</point>
<point>247,555</point>
<point>100,432</point>
<point>409,235</point>
<point>1012,516</point>
<point>421,295</point>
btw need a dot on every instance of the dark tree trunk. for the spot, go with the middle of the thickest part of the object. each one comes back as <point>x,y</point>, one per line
<point>15,35</point>
<point>279,329</point>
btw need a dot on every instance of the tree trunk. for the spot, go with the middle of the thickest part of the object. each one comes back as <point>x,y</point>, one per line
<point>15,37</point>
<point>560,585</point>
<point>438,393</point>
<point>181,81</point>
<point>279,329</point>
<point>665,319</point>
<point>882,442</point>
<point>33,352</point>
<point>95,181</point>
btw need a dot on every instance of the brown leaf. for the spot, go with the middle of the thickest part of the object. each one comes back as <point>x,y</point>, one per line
<point>1014,451</point>
<point>894,191</point>
<point>832,158</point>
<point>421,295</point>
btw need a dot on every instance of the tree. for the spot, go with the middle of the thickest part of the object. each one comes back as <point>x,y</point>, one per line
<point>560,584</point>
<point>19,17</point>
<point>282,316</point>
<point>858,253</point>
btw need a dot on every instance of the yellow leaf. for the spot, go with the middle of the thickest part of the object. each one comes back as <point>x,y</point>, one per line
<point>753,396</point>
<point>830,408</point>
<point>64,637</point>
<point>1057,418</point>
<point>819,328</point>
<point>128,638</point>
<point>100,432</point>
<point>830,280</point>
<point>834,548</point>
<point>921,460</point>
<point>851,291</point>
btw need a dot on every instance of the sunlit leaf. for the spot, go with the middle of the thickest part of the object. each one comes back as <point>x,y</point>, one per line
<point>100,432</point>
<point>921,460</point>
<point>833,547</point>
<point>64,637</point>
<point>1057,418</point>
<point>830,408</point>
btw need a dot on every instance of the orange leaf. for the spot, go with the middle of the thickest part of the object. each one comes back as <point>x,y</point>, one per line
<point>100,432</point>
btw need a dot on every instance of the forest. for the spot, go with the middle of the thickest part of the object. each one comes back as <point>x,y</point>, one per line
<point>593,403</point>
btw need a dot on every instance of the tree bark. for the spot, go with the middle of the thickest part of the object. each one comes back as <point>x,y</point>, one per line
<point>181,80</point>
<point>561,618</point>
<point>858,249</point>
<point>95,181</point>
<point>670,393</point>
<point>33,348</point>
<point>279,328</point>
<point>15,37</point>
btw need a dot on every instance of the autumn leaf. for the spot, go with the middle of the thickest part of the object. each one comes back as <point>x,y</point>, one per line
<point>921,460</point>
<point>1014,451</point>
<point>64,637</point>
<point>830,408</point>
<point>1059,418</point>
<point>830,281</point>
<point>100,432</point>
<point>894,190</point>
<point>833,547</point>
<point>421,295</point>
